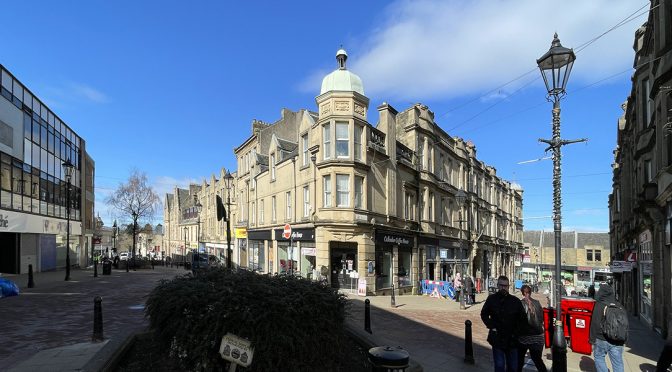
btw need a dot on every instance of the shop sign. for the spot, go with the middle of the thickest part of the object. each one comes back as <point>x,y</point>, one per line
<point>259,234</point>
<point>241,233</point>
<point>631,256</point>
<point>620,266</point>
<point>236,349</point>
<point>394,239</point>
<point>361,287</point>
<point>296,234</point>
<point>526,258</point>
<point>647,268</point>
<point>309,251</point>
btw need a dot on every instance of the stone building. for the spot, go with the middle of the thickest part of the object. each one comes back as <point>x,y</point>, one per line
<point>640,205</point>
<point>585,258</point>
<point>34,193</point>
<point>370,205</point>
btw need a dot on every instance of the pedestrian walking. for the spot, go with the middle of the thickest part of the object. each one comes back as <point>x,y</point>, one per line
<point>608,330</point>
<point>532,334</point>
<point>504,316</point>
<point>468,289</point>
<point>457,285</point>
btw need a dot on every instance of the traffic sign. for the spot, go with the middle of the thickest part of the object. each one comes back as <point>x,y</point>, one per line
<point>287,232</point>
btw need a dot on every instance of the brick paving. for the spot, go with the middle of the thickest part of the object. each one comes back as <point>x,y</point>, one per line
<point>432,331</point>
<point>58,313</point>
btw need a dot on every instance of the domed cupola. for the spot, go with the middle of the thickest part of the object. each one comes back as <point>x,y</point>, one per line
<point>341,79</point>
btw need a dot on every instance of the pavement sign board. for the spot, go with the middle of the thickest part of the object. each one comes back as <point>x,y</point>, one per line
<point>236,349</point>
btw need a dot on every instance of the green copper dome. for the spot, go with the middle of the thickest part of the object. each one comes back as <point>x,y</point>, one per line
<point>341,79</point>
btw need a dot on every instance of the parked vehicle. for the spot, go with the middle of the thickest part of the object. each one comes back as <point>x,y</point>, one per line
<point>124,256</point>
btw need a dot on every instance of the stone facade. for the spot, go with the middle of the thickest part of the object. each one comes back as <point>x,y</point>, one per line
<point>640,205</point>
<point>368,205</point>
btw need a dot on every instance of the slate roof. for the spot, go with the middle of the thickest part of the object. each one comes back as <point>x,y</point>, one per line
<point>569,239</point>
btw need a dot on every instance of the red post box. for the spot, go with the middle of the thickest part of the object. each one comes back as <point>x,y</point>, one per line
<point>579,312</point>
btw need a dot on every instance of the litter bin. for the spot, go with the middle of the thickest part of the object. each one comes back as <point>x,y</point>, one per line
<point>388,359</point>
<point>107,267</point>
<point>579,312</point>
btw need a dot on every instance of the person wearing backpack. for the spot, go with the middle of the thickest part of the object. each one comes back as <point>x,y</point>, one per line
<point>531,336</point>
<point>608,330</point>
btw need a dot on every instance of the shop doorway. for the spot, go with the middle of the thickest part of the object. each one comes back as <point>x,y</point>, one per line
<point>9,253</point>
<point>343,259</point>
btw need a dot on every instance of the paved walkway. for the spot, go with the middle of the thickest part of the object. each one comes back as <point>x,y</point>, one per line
<point>49,327</point>
<point>432,331</point>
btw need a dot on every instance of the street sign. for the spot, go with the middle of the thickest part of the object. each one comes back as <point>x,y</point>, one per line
<point>287,232</point>
<point>237,350</point>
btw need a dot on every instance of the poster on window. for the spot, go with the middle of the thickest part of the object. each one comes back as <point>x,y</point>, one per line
<point>349,264</point>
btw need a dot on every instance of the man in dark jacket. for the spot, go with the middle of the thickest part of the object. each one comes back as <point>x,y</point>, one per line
<point>602,346</point>
<point>468,289</point>
<point>504,316</point>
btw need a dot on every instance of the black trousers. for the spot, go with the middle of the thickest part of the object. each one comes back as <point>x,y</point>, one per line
<point>665,358</point>
<point>536,352</point>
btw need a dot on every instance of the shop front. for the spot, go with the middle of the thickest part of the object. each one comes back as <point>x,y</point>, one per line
<point>646,278</point>
<point>258,242</point>
<point>393,260</point>
<point>297,254</point>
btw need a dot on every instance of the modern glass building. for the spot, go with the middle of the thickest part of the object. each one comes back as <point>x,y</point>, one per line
<point>34,143</point>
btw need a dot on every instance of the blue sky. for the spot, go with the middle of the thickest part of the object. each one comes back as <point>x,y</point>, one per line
<point>171,87</point>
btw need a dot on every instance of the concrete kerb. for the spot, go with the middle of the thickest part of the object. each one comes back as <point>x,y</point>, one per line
<point>111,355</point>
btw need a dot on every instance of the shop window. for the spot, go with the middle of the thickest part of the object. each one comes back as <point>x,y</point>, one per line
<point>384,268</point>
<point>404,268</point>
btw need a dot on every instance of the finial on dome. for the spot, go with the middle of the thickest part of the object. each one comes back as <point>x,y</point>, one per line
<point>341,56</point>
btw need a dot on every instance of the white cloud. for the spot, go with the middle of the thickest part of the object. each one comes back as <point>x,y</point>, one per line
<point>88,93</point>
<point>165,184</point>
<point>434,48</point>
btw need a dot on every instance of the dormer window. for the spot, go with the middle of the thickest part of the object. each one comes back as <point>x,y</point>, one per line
<point>272,167</point>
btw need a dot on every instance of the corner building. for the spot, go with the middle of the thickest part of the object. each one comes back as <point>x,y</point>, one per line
<point>34,143</point>
<point>371,203</point>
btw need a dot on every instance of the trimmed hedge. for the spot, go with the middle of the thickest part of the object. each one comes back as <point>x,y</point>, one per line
<point>294,324</point>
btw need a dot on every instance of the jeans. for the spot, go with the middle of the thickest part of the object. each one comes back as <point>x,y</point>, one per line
<point>536,352</point>
<point>600,350</point>
<point>505,360</point>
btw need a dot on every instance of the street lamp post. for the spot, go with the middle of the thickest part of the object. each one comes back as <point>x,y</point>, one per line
<point>199,208</point>
<point>114,239</point>
<point>228,181</point>
<point>555,66</point>
<point>461,198</point>
<point>68,169</point>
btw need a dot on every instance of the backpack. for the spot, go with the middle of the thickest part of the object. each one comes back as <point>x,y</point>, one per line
<point>615,323</point>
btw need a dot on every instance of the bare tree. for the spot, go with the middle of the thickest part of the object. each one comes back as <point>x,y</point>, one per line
<point>136,200</point>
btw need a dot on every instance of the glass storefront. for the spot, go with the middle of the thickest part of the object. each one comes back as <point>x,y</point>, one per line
<point>256,256</point>
<point>384,273</point>
<point>308,268</point>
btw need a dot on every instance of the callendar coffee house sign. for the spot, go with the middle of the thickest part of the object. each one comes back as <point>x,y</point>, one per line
<point>297,234</point>
<point>391,238</point>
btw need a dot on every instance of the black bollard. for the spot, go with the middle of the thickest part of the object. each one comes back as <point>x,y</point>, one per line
<point>468,346</point>
<point>31,283</point>
<point>97,319</point>
<point>127,262</point>
<point>367,315</point>
<point>152,263</point>
<point>95,269</point>
<point>393,301</point>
